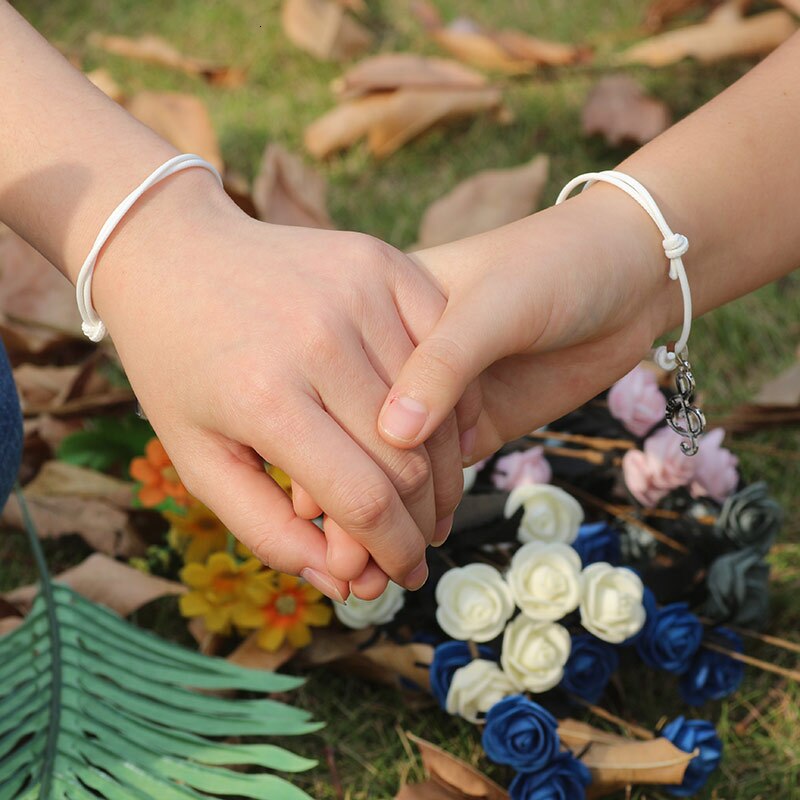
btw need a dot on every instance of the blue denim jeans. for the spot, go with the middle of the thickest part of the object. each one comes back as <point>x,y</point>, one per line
<point>10,429</point>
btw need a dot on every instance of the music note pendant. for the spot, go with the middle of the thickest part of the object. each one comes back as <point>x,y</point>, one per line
<point>682,416</point>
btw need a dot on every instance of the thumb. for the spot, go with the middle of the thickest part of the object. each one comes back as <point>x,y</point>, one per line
<point>467,339</point>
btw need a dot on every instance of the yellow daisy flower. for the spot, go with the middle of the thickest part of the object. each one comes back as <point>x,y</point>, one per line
<point>283,608</point>
<point>281,478</point>
<point>220,590</point>
<point>196,534</point>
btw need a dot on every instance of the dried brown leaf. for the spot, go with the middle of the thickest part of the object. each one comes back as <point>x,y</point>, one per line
<point>332,644</point>
<point>783,391</point>
<point>619,109</point>
<point>103,526</point>
<point>181,119</point>
<point>450,777</point>
<point>413,111</point>
<point>287,192</point>
<point>409,661</point>
<point>791,5</point>
<point>103,580</point>
<point>540,51</point>
<point>9,624</point>
<point>469,43</point>
<point>60,479</point>
<point>576,734</point>
<point>391,119</point>
<point>44,385</point>
<point>155,50</point>
<point>32,290</point>
<point>49,430</point>
<point>249,654</point>
<point>659,12</point>
<point>102,79</point>
<point>324,29</point>
<point>390,71</point>
<point>725,35</point>
<point>615,766</point>
<point>487,200</point>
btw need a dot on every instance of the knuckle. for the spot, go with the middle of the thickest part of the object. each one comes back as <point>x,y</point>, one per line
<point>367,507</point>
<point>441,362</point>
<point>413,476</point>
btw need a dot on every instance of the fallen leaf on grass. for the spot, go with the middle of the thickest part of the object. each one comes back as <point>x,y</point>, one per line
<point>155,50</point>
<point>24,342</point>
<point>615,766</point>
<point>390,120</point>
<point>44,385</point>
<point>9,624</point>
<point>783,391</point>
<point>487,200</point>
<point>390,71</point>
<point>618,108</point>
<point>450,778</point>
<point>511,51</point>
<point>103,526</point>
<point>287,192</point>
<point>106,581</point>
<point>725,34</point>
<point>324,29</point>
<point>659,12</point>
<point>60,479</point>
<point>32,290</point>
<point>249,654</point>
<point>102,79</point>
<point>181,119</point>
<point>393,660</point>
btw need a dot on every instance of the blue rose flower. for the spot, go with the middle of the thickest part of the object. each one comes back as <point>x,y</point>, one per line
<point>447,658</point>
<point>598,541</point>
<point>521,733</point>
<point>712,675</point>
<point>690,735</point>
<point>590,667</point>
<point>671,638</point>
<point>566,778</point>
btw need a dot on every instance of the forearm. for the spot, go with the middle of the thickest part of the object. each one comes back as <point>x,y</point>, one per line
<point>727,177</point>
<point>68,154</point>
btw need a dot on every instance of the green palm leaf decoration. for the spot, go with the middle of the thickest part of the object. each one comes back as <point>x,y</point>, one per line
<point>91,706</point>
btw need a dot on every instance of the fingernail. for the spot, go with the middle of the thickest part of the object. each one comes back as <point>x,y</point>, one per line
<point>404,418</point>
<point>322,582</point>
<point>442,531</point>
<point>468,439</point>
<point>417,577</point>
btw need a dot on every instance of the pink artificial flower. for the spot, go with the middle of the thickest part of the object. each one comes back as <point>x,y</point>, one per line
<point>522,468</point>
<point>715,473</point>
<point>651,474</point>
<point>636,401</point>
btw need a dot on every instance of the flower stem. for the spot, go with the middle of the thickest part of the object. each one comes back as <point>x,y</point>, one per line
<point>595,442</point>
<point>775,641</point>
<point>792,674</point>
<point>629,727</point>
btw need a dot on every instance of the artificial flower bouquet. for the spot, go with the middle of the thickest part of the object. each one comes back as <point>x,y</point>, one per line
<point>580,556</point>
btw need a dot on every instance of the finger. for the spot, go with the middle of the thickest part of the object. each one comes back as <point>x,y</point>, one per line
<point>443,447</point>
<point>371,584</point>
<point>468,411</point>
<point>304,504</point>
<point>258,512</point>
<point>466,340</point>
<point>347,558</point>
<point>305,442</point>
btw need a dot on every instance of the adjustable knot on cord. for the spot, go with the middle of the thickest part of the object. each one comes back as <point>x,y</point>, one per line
<point>675,246</point>
<point>94,331</point>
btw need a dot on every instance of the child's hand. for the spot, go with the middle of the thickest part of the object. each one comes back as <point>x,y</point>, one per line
<point>547,311</point>
<point>246,341</point>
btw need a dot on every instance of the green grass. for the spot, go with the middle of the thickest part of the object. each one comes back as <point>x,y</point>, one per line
<point>734,349</point>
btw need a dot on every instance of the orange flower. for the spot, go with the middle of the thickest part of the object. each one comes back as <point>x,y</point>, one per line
<point>197,533</point>
<point>158,477</point>
<point>281,610</point>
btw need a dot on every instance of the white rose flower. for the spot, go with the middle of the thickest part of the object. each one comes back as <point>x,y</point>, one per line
<point>474,603</point>
<point>611,602</point>
<point>470,474</point>
<point>551,515</point>
<point>358,613</point>
<point>544,580</point>
<point>476,687</point>
<point>534,653</point>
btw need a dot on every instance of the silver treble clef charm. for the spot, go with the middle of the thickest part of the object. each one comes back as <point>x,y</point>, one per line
<point>682,416</point>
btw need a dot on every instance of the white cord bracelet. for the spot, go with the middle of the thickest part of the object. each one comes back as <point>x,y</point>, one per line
<point>682,416</point>
<point>92,325</point>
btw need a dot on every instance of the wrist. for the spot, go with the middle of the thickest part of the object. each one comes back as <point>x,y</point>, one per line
<point>162,233</point>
